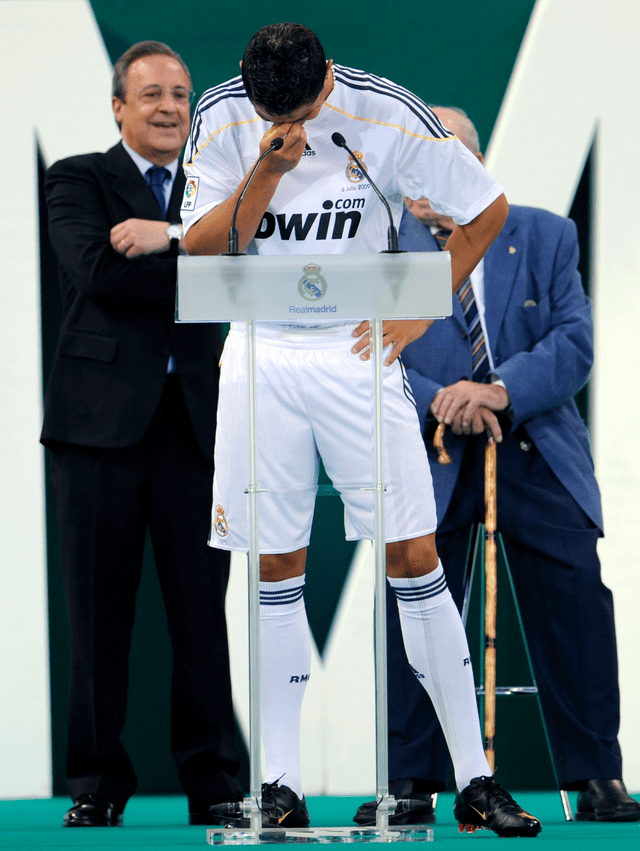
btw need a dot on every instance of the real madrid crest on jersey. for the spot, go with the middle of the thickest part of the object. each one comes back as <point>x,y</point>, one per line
<point>312,285</point>
<point>220,523</point>
<point>353,172</point>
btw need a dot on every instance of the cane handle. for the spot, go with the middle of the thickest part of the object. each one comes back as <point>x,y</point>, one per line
<point>438,444</point>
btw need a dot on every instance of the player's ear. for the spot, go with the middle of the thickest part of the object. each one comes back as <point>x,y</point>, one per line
<point>329,69</point>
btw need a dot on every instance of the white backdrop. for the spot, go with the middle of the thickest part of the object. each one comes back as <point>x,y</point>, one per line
<point>573,79</point>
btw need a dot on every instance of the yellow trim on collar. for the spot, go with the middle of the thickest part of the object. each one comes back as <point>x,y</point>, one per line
<point>219,130</point>
<point>387,124</point>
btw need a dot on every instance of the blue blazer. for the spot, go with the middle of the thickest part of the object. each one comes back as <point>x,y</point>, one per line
<point>540,329</point>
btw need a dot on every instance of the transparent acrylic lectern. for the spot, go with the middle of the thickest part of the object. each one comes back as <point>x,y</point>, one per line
<point>305,289</point>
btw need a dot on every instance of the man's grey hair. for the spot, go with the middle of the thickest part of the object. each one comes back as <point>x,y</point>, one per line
<point>139,51</point>
<point>469,135</point>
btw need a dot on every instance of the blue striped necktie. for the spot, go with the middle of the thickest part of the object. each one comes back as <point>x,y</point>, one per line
<point>156,176</point>
<point>467,301</point>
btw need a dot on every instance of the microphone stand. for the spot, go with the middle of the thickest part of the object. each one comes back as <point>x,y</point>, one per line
<point>392,234</point>
<point>275,145</point>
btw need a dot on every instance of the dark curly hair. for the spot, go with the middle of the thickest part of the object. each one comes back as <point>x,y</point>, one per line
<point>283,67</point>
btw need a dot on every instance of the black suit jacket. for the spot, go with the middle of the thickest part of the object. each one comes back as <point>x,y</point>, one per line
<point>118,327</point>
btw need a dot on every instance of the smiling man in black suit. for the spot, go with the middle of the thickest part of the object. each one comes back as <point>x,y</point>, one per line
<point>129,422</point>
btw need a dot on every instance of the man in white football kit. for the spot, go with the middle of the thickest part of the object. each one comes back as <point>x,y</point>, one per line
<point>314,381</point>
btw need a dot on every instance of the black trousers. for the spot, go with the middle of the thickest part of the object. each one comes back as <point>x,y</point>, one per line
<point>106,501</point>
<point>567,616</point>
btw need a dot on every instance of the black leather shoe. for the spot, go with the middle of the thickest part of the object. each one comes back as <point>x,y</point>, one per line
<point>90,810</point>
<point>607,800</point>
<point>412,807</point>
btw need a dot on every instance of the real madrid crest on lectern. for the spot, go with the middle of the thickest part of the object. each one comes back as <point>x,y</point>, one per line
<point>312,285</point>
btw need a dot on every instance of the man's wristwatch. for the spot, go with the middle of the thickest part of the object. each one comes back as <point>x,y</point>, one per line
<point>175,234</point>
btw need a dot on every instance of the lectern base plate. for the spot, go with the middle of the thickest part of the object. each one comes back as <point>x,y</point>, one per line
<point>318,835</point>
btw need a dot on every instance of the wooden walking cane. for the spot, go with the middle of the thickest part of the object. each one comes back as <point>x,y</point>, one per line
<point>490,600</point>
<point>491,584</point>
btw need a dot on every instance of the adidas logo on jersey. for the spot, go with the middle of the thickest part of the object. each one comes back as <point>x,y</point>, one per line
<point>308,151</point>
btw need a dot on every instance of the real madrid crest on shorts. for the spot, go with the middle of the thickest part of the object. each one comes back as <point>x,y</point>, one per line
<point>312,285</point>
<point>353,172</point>
<point>220,523</point>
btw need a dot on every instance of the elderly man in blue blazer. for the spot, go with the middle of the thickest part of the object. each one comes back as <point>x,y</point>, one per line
<point>513,370</point>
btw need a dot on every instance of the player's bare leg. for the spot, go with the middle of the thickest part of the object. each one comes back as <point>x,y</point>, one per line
<point>413,557</point>
<point>279,566</point>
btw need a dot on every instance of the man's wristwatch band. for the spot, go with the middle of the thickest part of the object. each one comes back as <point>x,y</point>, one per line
<point>175,234</point>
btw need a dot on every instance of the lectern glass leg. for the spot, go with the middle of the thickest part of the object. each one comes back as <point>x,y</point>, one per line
<point>386,803</point>
<point>253,804</point>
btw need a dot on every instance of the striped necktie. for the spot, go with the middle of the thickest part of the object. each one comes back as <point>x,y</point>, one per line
<point>156,177</point>
<point>469,307</point>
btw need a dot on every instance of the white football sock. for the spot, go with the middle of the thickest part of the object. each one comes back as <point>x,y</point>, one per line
<point>437,650</point>
<point>285,654</point>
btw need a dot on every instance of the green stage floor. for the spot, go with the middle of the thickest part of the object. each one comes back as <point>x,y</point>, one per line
<point>159,822</point>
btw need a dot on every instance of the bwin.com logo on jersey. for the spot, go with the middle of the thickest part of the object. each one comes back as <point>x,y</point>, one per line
<point>312,285</point>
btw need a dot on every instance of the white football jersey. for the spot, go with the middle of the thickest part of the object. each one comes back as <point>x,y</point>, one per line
<point>326,205</point>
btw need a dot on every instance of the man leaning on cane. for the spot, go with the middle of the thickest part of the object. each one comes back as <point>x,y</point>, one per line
<point>517,348</point>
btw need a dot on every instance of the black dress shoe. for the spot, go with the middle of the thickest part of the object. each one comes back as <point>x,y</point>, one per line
<point>607,800</point>
<point>90,810</point>
<point>413,807</point>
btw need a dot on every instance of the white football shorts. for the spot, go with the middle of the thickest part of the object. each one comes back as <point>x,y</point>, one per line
<point>314,399</point>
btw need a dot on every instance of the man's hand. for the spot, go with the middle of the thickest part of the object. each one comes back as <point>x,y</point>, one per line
<point>396,332</point>
<point>210,234</point>
<point>135,237</point>
<point>482,420</point>
<point>468,407</point>
<point>290,154</point>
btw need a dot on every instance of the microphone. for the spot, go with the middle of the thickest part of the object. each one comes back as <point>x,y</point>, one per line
<point>275,145</point>
<point>392,234</point>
